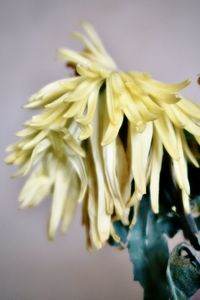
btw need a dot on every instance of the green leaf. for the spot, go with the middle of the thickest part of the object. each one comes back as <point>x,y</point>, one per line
<point>149,253</point>
<point>170,196</point>
<point>168,224</point>
<point>183,272</point>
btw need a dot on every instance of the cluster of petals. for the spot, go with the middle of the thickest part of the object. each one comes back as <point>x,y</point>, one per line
<point>99,134</point>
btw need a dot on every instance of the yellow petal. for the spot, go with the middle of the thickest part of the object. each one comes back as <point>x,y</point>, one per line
<point>187,151</point>
<point>86,222</point>
<point>112,131</point>
<point>34,157</point>
<point>71,202</point>
<point>129,106</point>
<point>122,171</point>
<point>167,135</point>
<point>59,198</point>
<point>140,145</point>
<point>103,219</point>
<point>86,131</point>
<point>189,108</point>
<point>171,112</point>
<point>32,143</point>
<point>152,105</point>
<point>190,125</point>
<point>35,190</point>
<point>88,45</point>
<point>94,37</point>
<point>92,212</point>
<point>78,165</point>
<point>72,56</point>
<point>26,132</point>
<point>186,202</point>
<point>83,90</point>
<point>73,144</point>
<point>48,117</point>
<point>197,138</point>
<point>93,204</point>
<point>93,97</point>
<point>86,72</point>
<point>170,87</point>
<point>111,102</point>
<point>52,92</point>
<point>74,109</point>
<point>109,159</point>
<point>155,168</point>
<point>182,163</point>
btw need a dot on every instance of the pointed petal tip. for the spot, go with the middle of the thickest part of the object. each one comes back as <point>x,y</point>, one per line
<point>63,229</point>
<point>6,161</point>
<point>85,23</point>
<point>9,148</point>
<point>188,81</point>
<point>22,206</point>
<point>51,236</point>
<point>155,209</point>
<point>30,105</point>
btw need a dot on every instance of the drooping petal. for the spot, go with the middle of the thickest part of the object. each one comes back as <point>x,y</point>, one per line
<point>37,187</point>
<point>189,108</point>
<point>79,167</point>
<point>73,144</point>
<point>35,140</point>
<point>112,131</point>
<point>171,112</point>
<point>140,147</point>
<point>109,159</point>
<point>155,168</point>
<point>92,203</point>
<point>188,153</point>
<point>48,117</point>
<point>33,158</point>
<point>72,57</point>
<point>62,180</point>
<point>52,92</point>
<point>103,218</point>
<point>27,131</point>
<point>86,119</point>
<point>167,135</point>
<point>71,201</point>
<point>182,163</point>
<point>189,124</point>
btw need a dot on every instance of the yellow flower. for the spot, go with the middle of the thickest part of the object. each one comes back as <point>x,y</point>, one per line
<point>99,132</point>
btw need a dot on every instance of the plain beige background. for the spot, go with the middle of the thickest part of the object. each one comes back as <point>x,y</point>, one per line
<point>160,37</point>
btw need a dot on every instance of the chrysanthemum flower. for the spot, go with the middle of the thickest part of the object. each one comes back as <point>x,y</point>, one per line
<point>98,135</point>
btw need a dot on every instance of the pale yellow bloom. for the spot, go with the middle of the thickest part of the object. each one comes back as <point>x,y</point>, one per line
<point>76,152</point>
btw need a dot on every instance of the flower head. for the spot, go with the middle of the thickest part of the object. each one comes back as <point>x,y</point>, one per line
<point>97,134</point>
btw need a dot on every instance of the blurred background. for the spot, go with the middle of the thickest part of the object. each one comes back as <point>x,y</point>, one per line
<point>157,36</point>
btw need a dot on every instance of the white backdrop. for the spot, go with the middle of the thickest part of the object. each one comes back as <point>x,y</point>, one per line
<point>160,37</point>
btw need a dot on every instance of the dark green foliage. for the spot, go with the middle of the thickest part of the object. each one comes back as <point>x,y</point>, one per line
<point>163,276</point>
<point>148,252</point>
<point>170,196</point>
<point>183,272</point>
<point>175,277</point>
<point>122,232</point>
